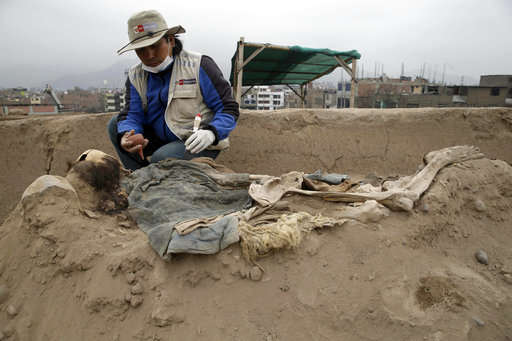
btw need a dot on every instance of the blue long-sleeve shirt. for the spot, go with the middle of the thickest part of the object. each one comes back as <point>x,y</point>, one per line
<point>216,94</point>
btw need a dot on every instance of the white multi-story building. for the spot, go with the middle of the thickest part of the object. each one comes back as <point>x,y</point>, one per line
<point>266,99</point>
<point>343,94</point>
<point>263,98</point>
<point>249,101</point>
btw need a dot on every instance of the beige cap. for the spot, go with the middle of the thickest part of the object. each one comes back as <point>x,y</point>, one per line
<point>146,28</point>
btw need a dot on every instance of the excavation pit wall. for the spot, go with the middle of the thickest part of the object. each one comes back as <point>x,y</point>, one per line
<point>383,142</point>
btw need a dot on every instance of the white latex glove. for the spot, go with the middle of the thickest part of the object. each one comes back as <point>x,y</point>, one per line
<point>199,140</point>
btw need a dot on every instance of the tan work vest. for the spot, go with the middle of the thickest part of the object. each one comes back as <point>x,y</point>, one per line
<point>185,100</point>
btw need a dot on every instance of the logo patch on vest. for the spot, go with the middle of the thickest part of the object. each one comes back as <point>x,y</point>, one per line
<point>186,81</point>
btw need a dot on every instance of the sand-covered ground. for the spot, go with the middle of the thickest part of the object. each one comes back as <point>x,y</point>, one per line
<point>69,274</point>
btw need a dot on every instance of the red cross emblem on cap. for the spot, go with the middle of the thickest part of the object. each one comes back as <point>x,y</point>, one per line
<point>140,28</point>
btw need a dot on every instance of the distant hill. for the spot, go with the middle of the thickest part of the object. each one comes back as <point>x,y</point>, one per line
<point>31,76</point>
<point>37,76</point>
<point>114,76</point>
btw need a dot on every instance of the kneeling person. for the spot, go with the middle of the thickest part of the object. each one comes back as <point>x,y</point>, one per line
<point>164,94</point>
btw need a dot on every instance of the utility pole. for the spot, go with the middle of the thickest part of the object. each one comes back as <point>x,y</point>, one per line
<point>444,69</point>
<point>342,89</point>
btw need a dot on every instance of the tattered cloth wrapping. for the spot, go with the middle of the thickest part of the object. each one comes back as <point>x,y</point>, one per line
<point>330,178</point>
<point>173,191</point>
<point>286,233</point>
<point>206,200</point>
<point>196,206</point>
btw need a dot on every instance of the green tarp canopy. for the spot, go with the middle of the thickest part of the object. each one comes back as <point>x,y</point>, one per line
<point>275,65</point>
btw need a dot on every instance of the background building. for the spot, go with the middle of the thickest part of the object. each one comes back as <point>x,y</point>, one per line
<point>263,98</point>
<point>20,101</point>
<point>343,95</point>
<point>114,101</point>
<point>80,100</point>
<point>383,92</point>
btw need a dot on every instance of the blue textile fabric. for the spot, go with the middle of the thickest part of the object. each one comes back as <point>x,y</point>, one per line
<point>164,194</point>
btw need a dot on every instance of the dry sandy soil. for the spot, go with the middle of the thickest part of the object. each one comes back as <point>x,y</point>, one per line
<point>66,275</point>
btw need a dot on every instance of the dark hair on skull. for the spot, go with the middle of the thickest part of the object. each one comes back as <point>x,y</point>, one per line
<point>103,175</point>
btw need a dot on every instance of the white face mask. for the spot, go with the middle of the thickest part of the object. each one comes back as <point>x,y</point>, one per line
<point>162,66</point>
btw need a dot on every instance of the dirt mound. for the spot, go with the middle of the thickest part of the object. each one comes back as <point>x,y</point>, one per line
<point>35,145</point>
<point>71,273</point>
<point>95,276</point>
<point>351,141</point>
<point>362,141</point>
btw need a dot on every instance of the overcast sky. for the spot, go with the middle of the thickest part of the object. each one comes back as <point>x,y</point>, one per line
<point>471,37</point>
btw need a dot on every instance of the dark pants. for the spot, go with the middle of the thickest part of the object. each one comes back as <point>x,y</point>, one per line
<point>158,149</point>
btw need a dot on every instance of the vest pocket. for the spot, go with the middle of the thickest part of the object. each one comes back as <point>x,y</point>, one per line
<point>184,108</point>
<point>184,93</point>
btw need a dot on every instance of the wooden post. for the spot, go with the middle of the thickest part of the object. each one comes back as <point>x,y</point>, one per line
<point>239,71</point>
<point>302,94</point>
<point>353,85</point>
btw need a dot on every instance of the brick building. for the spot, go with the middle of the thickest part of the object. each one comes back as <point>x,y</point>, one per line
<point>80,100</point>
<point>20,101</point>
